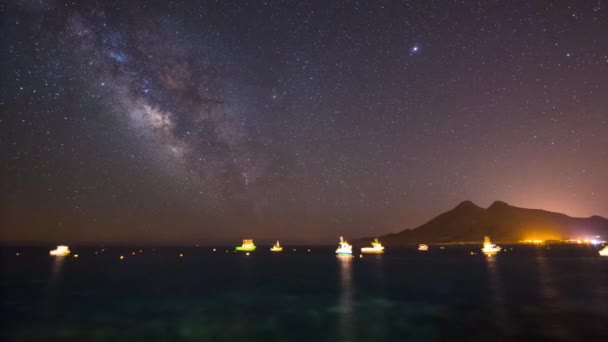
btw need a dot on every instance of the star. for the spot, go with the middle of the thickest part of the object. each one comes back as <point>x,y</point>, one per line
<point>414,50</point>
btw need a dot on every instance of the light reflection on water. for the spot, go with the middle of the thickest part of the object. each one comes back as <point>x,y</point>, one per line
<point>499,305</point>
<point>54,283</point>
<point>57,266</point>
<point>599,284</point>
<point>346,298</point>
<point>551,302</point>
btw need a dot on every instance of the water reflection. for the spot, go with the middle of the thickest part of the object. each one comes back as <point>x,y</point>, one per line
<point>501,316</point>
<point>552,303</point>
<point>346,298</point>
<point>599,282</point>
<point>56,270</point>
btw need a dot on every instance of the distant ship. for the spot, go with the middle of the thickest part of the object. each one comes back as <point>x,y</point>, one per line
<point>604,251</point>
<point>247,246</point>
<point>344,248</point>
<point>423,248</point>
<point>277,247</point>
<point>376,248</point>
<point>60,251</point>
<point>488,247</point>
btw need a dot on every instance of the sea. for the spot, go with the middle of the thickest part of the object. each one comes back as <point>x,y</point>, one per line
<point>305,293</point>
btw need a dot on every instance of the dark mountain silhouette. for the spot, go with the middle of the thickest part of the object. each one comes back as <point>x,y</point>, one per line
<point>501,221</point>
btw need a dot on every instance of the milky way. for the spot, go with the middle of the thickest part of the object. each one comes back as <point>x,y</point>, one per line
<point>181,106</point>
<point>202,121</point>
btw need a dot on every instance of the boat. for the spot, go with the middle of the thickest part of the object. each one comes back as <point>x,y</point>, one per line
<point>344,248</point>
<point>376,248</point>
<point>277,247</point>
<point>423,248</point>
<point>247,246</point>
<point>60,251</point>
<point>604,251</point>
<point>489,248</point>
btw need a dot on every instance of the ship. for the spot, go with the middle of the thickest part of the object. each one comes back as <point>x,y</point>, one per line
<point>344,248</point>
<point>277,247</point>
<point>376,248</point>
<point>489,248</point>
<point>423,248</point>
<point>60,251</point>
<point>604,251</point>
<point>247,246</point>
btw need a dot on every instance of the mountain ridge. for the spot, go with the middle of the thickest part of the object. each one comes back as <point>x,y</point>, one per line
<point>468,222</point>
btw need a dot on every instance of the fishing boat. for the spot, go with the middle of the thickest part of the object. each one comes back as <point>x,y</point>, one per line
<point>423,248</point>
<point>344,248</point>
<point>489,248</point>
<point>376,248</point>
<point>277,247</point>
<point>60,251</point>
<point>247,246</point>
<point>604,251</point>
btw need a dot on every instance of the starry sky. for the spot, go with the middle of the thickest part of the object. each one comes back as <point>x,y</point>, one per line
<point>212,121</point>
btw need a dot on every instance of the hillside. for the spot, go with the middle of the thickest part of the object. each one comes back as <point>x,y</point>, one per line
<point>468,222</point>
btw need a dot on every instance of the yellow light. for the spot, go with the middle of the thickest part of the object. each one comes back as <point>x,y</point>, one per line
<point>309,251</point>
<point>122,257</point>
<point>535,241</point>
<point>75,255</point>
<point>360,256</point>
<point>181,255</point>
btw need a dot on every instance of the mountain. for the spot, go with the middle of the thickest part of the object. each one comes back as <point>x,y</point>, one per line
<point>501,221</point>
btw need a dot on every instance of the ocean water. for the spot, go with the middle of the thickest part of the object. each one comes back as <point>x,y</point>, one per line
<point>531,293</point>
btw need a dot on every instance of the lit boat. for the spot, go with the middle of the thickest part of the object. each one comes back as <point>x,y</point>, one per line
<point>60,251</point>
<point>604,251</point>
<point>247,246</point>
<point>423,248</point>
<point>344,248</point>
<point>277,247</point>
<point>488,247</point>
<point>376,248</point>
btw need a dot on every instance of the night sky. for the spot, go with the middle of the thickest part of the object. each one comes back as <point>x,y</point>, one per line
<point>205,122</point>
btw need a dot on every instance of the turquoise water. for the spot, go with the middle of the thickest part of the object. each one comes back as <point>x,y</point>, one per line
<point>526,293</point>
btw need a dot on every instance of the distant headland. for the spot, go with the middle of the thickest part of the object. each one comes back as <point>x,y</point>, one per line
<point>468,222</point>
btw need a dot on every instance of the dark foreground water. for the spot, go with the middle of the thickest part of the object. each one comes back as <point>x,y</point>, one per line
<point>528,293</point>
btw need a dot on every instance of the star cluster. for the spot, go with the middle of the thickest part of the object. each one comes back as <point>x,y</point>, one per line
<point>188,121</point>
